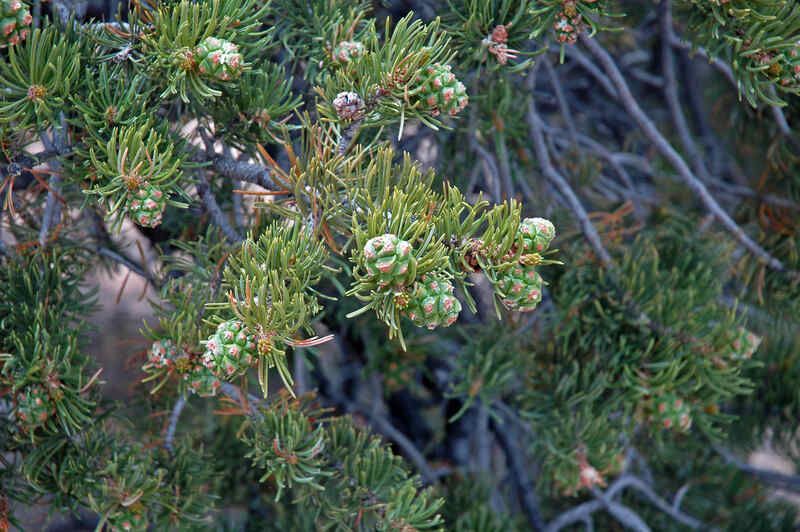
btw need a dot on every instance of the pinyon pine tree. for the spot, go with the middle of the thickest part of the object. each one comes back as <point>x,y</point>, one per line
<point>463,265</point>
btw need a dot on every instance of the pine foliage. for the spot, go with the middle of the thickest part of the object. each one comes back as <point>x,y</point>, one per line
<point>490,264</point>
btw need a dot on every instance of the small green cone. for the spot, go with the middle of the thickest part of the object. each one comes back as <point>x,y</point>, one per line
<point>231,350</point>
<point>34,406</point>
<point>536,234</point>
<point>15,21</point>
<point>219,59</point>
<point>520,288</point>
<point>442,92</point>
<point>147,206</point>
<point>432,303</point>
<point>390,260</point>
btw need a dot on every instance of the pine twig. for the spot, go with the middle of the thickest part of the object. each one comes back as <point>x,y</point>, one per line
<point>771,478</point>
<point>587,64</point>
<point>721,66</point>
<point>563,104</point>
<point>505,165</point>
<point>135,268</point>
<point>671,92</point>
<point>482,442</point>
<point>212,207</point>
<point>300,374</point>
<point>348,134</point>
<point>52,209</point>
<point>621,513</point>
<point>624,514</point>
<point>252,173</point>
<point>519,471</point>
<point>643,489</point>
<point>574,515</point>
<point>543,158</point>
<point>99,234</point>
<point>236,394</point>
<point>783,125</point>
<point>173,422</point>
<point>491,164</point>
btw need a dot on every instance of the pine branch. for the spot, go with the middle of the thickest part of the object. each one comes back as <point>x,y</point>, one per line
<point>519,471</point>
<point>216,213</point>
<point>543,158</point>
<point>52,209</point>
<point>237,395</point>
<point>672,156</point>
<point>614,159</point>
<point>135,268</point>
<point>671,92</point>
<point>588,65</point>
<point>491,165</point>
<point>505,166</point>
<point>783,125</point>
<point>348,134</point>
<point>679,495</point>
<point>563,104</point>
<point>772,478</point>
<point>738,190</point>
<point>647,492</point>
<point>99,234</point>
<point>575,515</point>
<point>716,62</point>
<point>623,513</point>
<point>252,173</point>
<point>173,422</point>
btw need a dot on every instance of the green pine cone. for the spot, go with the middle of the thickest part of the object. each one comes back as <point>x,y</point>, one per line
<point>231,350</point>
<point>743,344</point>
<point>432,303</point>
<point>670,411</point>
<point>162,353</point>
<point>390,260</point>
<point>219,59</point>
<point>536,234</point>
<point>441,91</point>
<point>15,19</point>
<point>131,519</point>
<point>346,51</point>
<point>791,71</point>
<point>202,381</point>
<point>147,205</point>
<point>34,406</point>
<point>520,288</point>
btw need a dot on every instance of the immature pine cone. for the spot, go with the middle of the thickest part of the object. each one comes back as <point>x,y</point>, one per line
<point>14,21</point>
<point>670,411</point>
<point>536,234</point>
<point>441,91</point>
<point>390,260</point>
<point>432,303</point>
<point>202,381</point>
<point>347,50</point>
<point>231,350</point>
<point>348,106</point>
<point>218,58</point>
<point>162,353</point>
<point>147,205</point>
<point>520,289</point>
